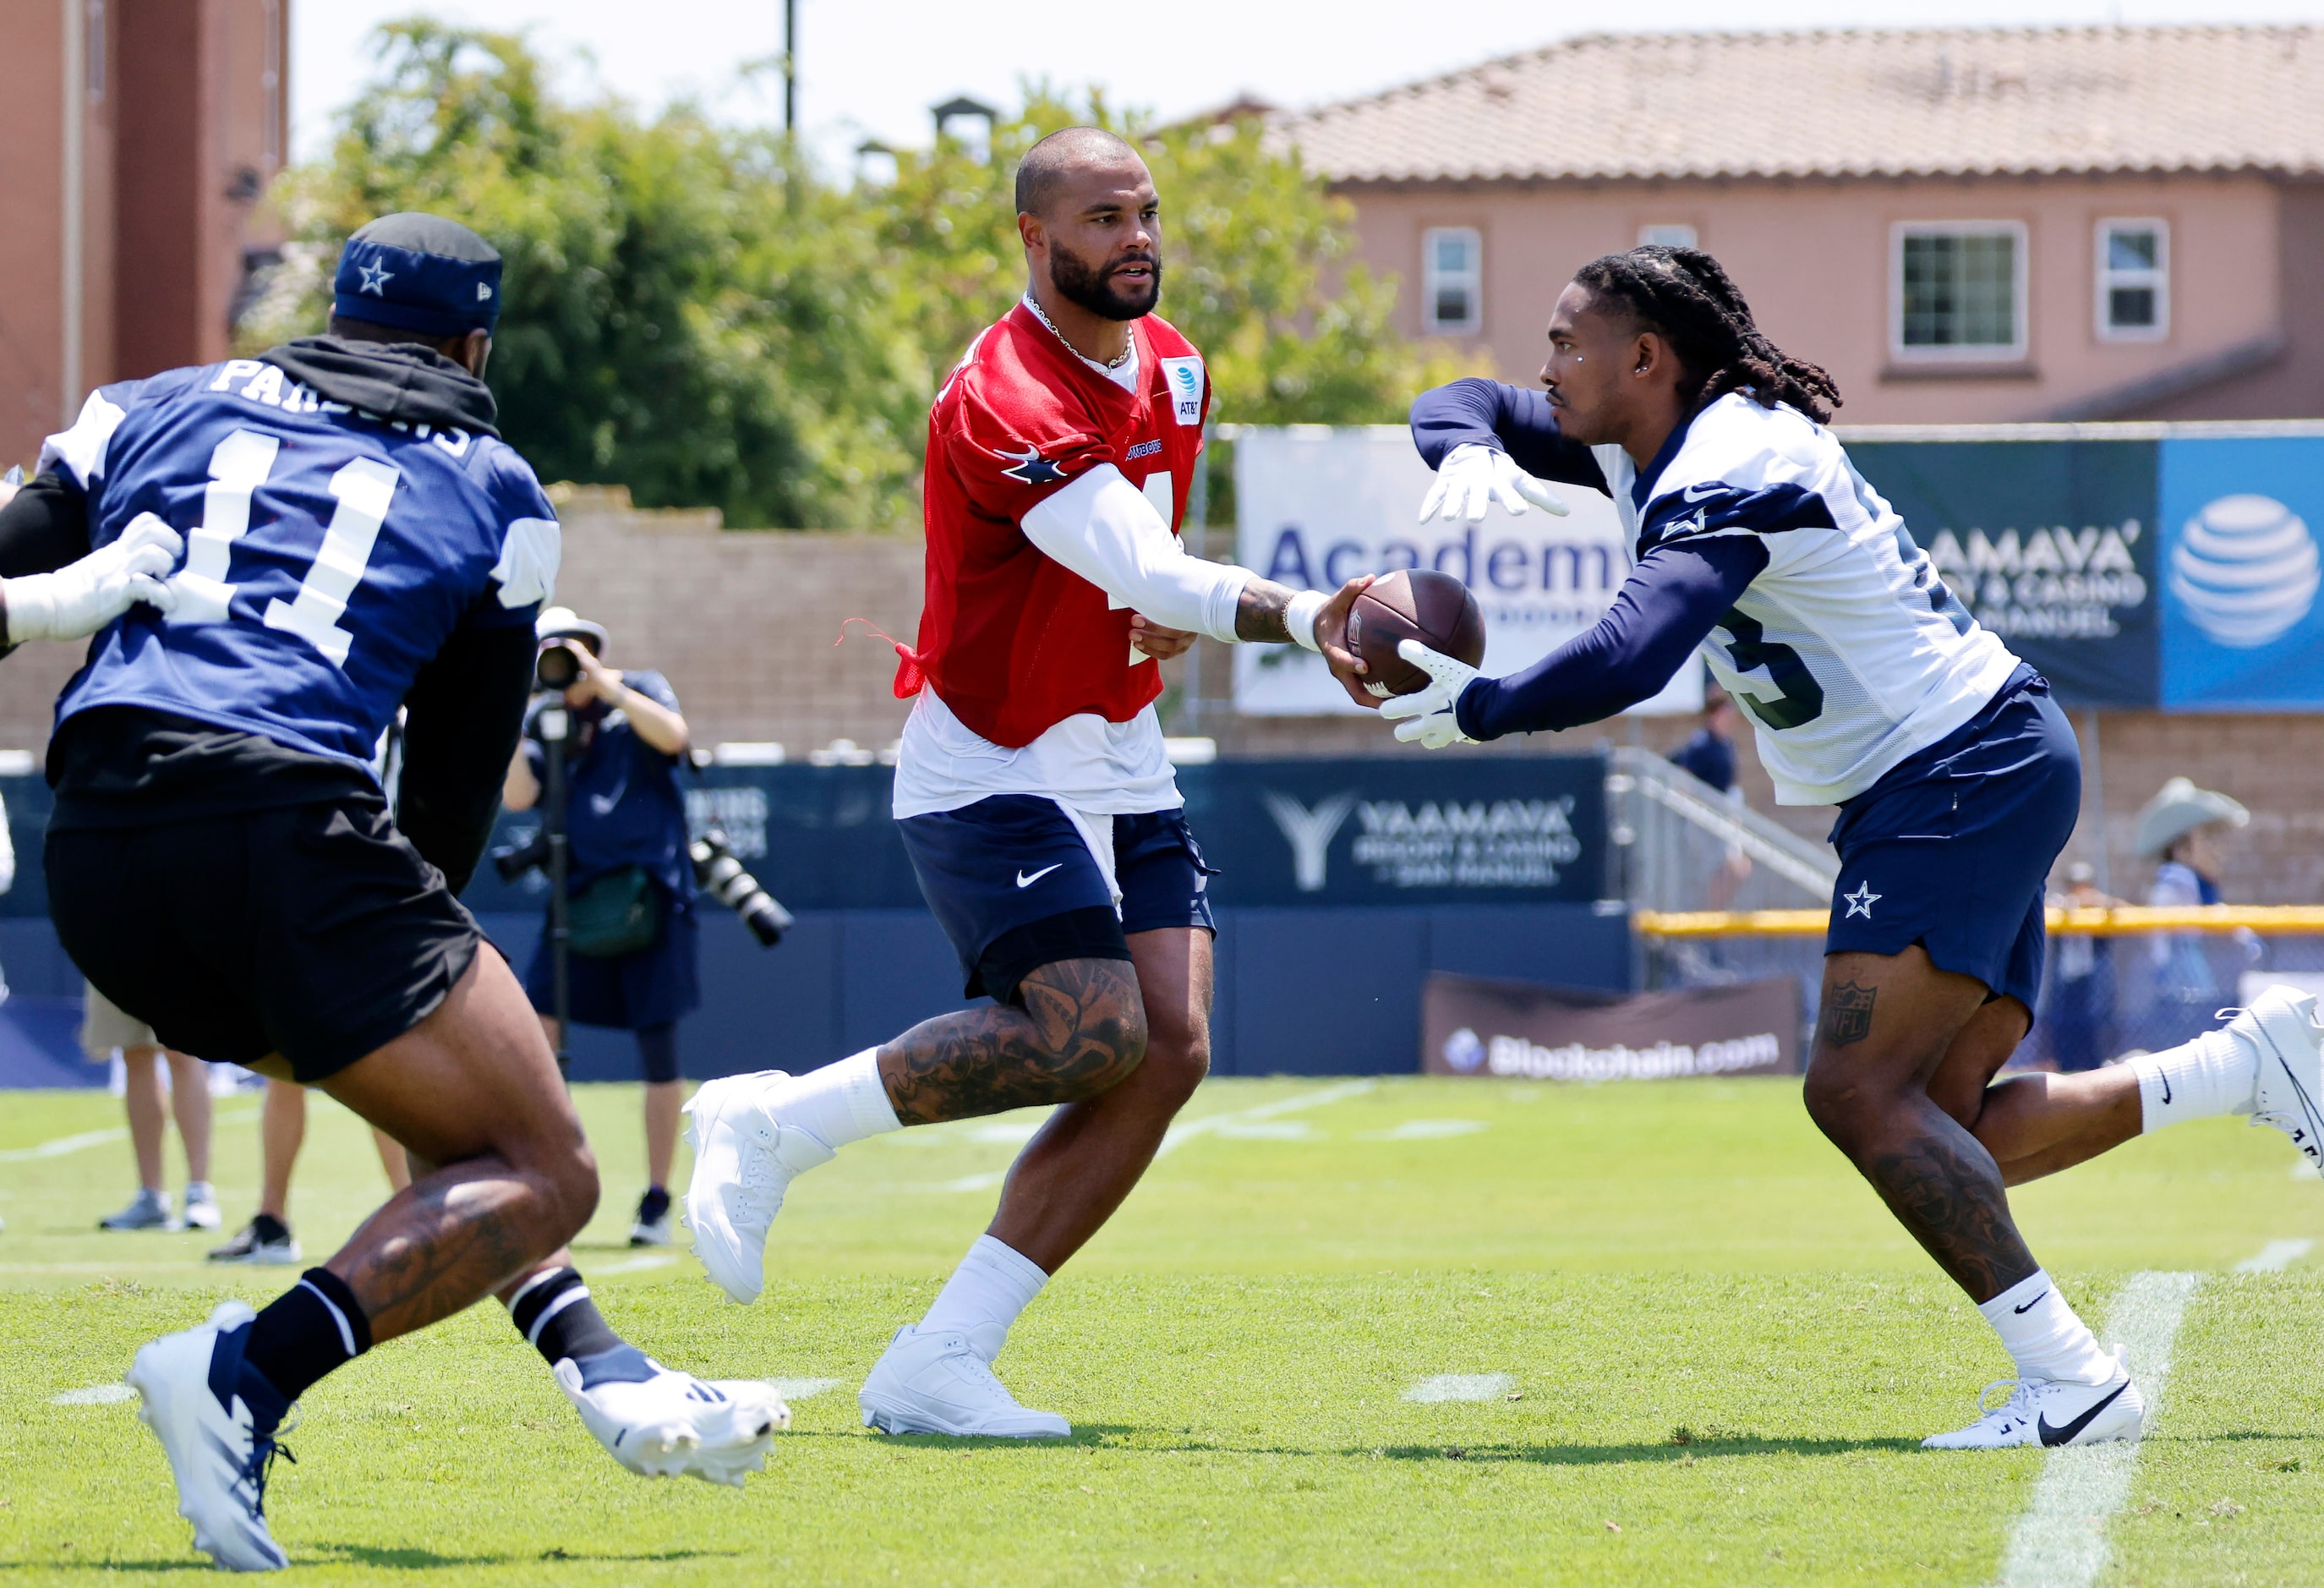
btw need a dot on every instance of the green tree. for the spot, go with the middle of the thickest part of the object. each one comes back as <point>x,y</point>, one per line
<point>679,317</point>
<point>689,312</point>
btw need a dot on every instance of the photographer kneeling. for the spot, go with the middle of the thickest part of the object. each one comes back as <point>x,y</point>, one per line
<point>630,918</point>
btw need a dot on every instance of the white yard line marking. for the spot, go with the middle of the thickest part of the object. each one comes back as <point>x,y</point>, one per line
<point>636,1265</point>
<point>95,1395</point>
<point>802,1388</point>
<point>64,1144</point>
<point>1460,1387</point>
<point>1425,1131</point>
<point>2060,1541</point>
<point>2304,1171</point>
<point>2275,1257</point>
<point>1269,1131</point>
<point>1185,1130</point>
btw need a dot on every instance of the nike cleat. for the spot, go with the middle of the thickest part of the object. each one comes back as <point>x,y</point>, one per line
<point>665,1425</point>
<point>744,1161</point>
<point>265,1240</point>
<point>651,1226</point>
<point>2040,1411</point>
<point>937,1384</point>
<point>198,1398</point>
<point>2281,1025</point>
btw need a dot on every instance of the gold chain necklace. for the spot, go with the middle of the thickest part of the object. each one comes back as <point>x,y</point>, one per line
<point>1127,352</point>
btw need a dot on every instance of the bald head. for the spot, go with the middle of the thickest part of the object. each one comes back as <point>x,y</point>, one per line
<point>1052,163</point>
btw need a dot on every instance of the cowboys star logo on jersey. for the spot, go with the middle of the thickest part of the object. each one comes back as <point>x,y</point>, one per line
<point>1031,467</point>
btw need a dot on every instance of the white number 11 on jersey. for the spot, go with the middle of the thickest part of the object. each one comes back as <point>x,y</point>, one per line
<point>238,465</point>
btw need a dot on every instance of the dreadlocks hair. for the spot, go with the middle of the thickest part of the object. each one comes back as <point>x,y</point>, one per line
<point>1684,295</point>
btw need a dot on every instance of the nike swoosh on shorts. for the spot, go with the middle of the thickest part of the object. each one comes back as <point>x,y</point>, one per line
<point>1025,882</point>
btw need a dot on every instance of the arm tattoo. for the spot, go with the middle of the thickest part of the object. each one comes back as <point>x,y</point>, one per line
<point>1946,1189</point>
<point>1082,1029</point>
<point>1847,1013</point>
<point>1258,613</point>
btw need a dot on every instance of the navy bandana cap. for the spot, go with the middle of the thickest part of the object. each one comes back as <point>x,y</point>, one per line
<point>428,293</point>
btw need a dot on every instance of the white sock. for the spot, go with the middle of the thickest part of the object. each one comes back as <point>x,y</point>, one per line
<point>2044,1336</point>
<point>840,1103</point>
<point>984,1295</point>
<point>2215,1073</point>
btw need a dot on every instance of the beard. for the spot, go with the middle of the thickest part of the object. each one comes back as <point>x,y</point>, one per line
<point>1094,289</point>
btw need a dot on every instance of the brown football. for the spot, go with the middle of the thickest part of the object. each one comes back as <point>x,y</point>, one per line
<point>1413,604</point>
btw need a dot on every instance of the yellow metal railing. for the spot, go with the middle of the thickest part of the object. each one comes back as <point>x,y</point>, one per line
<point>2276,918</point>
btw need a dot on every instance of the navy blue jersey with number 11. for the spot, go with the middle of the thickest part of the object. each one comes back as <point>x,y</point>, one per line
<point>329,555</point>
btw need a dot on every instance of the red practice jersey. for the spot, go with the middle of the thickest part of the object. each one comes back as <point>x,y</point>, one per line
<point>1012,641</point>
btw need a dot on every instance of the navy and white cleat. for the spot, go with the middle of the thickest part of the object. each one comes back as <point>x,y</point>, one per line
<point>664,1424</point>
<point>744,1161</point>
<point>198,1400</point>
<point>2039,1411</point>
<point>937,1384</point>
<point>2280,1024</point>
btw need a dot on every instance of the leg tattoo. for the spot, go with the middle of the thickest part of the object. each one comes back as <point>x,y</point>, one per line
<point>1946,1189</point>
<point>1081,1029</point>
<point>1847,1013</point>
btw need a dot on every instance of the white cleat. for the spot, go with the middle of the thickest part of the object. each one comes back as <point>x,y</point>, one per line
<point>218,1460</point>
<point>2040,1411</point>
<point>2280,1026</point>
<point>675,1424</point>
<point>937,1384</point>
<point>744,1160</point>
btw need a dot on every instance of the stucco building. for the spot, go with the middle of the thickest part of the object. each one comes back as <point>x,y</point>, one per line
<point>1962,226</point>
<point>137,138</point>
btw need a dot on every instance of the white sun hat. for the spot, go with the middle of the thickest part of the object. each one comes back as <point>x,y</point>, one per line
<point>562,622</point>
<point>2179,810</point>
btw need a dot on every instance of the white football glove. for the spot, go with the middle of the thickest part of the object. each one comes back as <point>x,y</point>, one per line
<point>1433,724</point>
<point>81,598</point>
<point>1474,477</point>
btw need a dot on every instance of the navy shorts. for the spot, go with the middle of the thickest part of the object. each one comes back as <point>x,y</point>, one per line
<point>1951,850</point>
<point>627,992</point>
<point>1015,887</point>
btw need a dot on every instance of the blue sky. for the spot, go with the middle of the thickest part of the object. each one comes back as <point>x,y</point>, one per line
<point>872,67</point>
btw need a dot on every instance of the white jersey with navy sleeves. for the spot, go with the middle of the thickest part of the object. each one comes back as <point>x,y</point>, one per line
<point>1848,650</point>
<point>329,554</point>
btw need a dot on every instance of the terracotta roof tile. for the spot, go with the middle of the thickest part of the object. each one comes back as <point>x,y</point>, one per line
<point>1936,102</point>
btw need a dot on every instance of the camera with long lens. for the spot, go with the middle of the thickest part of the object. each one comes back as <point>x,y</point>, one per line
<point>517,859</point>
<point>719,874</point>
<point>558,665</point>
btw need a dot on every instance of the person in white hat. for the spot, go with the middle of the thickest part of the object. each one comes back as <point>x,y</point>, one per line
<point>2185,828</point>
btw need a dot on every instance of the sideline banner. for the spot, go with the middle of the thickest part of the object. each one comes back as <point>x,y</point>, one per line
<point>1318,504</point>
<point>2051,544</point>
<point>1473,1027</point>
<point>2242,627</point>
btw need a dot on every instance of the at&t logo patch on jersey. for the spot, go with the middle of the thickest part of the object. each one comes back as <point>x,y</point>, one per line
<point>1183,376</point>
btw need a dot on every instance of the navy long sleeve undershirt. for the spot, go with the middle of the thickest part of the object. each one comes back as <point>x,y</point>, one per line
<point>1508,419</point>
<point>1668,606</point>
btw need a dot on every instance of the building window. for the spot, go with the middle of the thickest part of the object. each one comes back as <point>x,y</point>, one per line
<point>1669,235</point>
<point>2134,281</point>
<point>1960,291</point>
<point>1452,280</point>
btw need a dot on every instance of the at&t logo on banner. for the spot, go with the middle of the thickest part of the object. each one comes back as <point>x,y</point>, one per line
<point>2242,626</point>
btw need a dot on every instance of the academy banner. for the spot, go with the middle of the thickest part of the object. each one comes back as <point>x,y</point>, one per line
<point>1318,504</point>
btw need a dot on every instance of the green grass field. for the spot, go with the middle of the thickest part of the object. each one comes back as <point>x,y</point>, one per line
<point>1718,1351</point>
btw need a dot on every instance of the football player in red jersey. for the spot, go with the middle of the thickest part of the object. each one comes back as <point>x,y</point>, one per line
<point>1036,802</point>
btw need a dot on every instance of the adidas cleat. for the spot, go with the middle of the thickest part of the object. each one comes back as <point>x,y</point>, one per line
<point>218,1453</point>
<point>2281,1025</point>
<point>744,1161</point>
<point>937,1384</point>
<point>2039,1411</point>
<point>664,1424</point>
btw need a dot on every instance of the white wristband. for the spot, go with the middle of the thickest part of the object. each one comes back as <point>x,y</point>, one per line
<point>1299,617</point>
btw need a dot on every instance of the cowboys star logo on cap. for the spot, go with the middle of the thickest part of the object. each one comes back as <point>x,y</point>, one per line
<point>375,278</point>
<point>1031,467</point>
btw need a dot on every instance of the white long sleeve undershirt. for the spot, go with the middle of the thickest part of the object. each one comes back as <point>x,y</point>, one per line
<point>1103,528</point>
